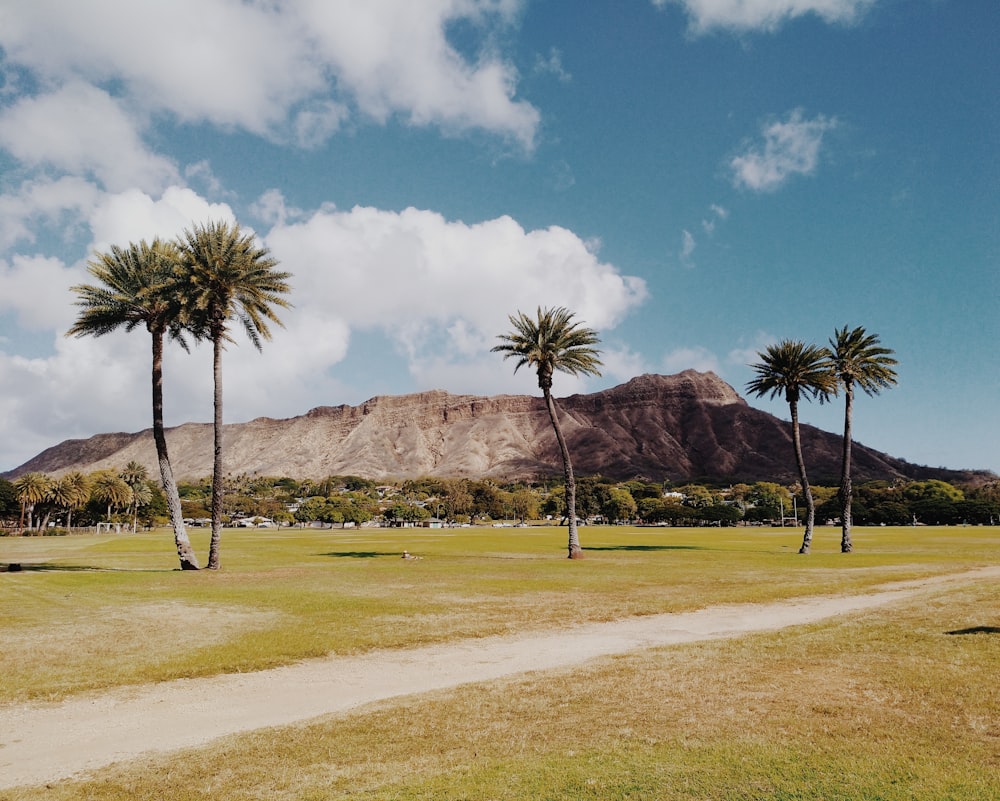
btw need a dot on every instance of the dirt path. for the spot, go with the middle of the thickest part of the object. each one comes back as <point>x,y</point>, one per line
<point>46,742</point>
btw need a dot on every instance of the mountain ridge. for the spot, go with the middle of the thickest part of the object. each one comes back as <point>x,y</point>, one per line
<point>687,426</point>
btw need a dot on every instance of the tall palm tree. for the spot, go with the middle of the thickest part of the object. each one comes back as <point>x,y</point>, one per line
<point>796,370</point>
<point>226,275</point>
<point>137,287</point>
<point>31,489</point>
<point>858,360</point>
<point>548,342</point>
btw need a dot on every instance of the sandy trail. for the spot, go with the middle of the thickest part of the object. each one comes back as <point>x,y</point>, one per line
<point>45,742</point>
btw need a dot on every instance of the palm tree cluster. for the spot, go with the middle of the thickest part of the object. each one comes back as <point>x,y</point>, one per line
<point>40,496</point>
<point>796,370</point>
<point>194,287</point>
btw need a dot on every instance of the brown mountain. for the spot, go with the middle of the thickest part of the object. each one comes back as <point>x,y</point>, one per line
<point>687,426</point>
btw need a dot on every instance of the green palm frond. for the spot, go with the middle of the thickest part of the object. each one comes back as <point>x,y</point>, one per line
<point>794,369</point>
<point>136,285</point>
<point>550,341</point>
<point>225,275</point>
<point>860,359</point>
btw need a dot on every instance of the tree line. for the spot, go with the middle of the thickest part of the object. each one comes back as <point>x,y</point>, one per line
<point>128,497</point>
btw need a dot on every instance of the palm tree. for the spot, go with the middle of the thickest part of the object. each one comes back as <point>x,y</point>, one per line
<point>225,275</point>
<point>31,489</point>
<point>137,287</point>
<point>70,492</point>
<point>108,487</point>
<point>858,360</point>
<point>135,475</point>
<point>548,342</point>
<point>796,370</point>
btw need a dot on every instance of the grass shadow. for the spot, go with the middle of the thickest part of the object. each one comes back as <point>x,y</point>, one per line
<point>20,567</point>
<point>976,630</point>
<point>362,554</point>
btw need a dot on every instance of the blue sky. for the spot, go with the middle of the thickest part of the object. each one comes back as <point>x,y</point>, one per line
<point>695,178</point>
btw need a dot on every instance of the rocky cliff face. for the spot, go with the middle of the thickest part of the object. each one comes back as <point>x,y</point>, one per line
<point>686,426</point>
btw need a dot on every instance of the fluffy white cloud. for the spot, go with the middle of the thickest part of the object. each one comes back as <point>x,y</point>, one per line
<point>790,147</point>
<point>437,291</point>
<point>764,15</point>
<point>82,130</point>
<point>133,215</point>
<point>289,70</point>
<point>443,289</point>
<point>36,290</point>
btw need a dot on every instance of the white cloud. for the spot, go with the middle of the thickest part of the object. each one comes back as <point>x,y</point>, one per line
<point>764,15</point>
<point>622,363</point>
<point>133,215</point>
<point>688,245</point>
<point>393,56</point>
<point>717,213</point>
<point>82,130</point>
<point>694,358</point>
<point>790,147</point>
<point>750,353</point>
<point>438,291</point>
<point>65,201</point>
<point>231,63</point>
<point>552,65</point>
<point>289,71</point>
<point>36,289</point>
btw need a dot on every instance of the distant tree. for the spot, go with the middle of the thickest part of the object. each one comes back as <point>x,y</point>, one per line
<point>768,501</point>
<point>456,498</point>
<point>796,370</point>
<point>70,492</point>
<point>135,475</point>
<point>226,275</point>
<point>549,342</point>
<point>524,504</point>
<point>8,499</point>
<point>110,489</point>
<point>620,506</point>
<point>31,489</point>
<point>137,286</point>
<point>721,513</point>
<point>858,360</point>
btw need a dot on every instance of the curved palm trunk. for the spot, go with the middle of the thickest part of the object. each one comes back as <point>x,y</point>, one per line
<point>575,551</point>
<point>213,548</point>
<point>806,491</point>
<point>846,488</point>
<point>184,550</point>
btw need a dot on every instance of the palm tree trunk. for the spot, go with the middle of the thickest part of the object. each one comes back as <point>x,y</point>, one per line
<point>213,548</point>
<point>806,491</point>
<point>186,554</point>
<point>846,489</point>
<point>575,551</point>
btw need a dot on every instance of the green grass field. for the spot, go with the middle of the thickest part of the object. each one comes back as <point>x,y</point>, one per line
<point>881,705</point>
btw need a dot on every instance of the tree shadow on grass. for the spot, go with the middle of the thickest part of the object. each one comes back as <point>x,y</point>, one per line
<point>45,567</point>
<point>976,630</point>
<point>361,554</point>
<point>644,548</point>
